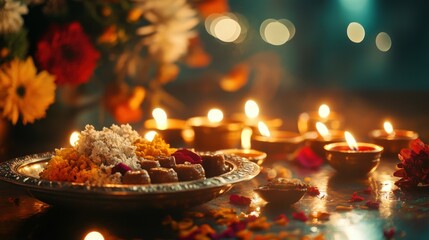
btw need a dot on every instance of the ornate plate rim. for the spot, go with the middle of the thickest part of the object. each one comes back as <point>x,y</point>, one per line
<point>242,170</point>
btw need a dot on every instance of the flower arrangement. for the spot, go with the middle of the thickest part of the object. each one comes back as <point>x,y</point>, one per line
<point>128,49</point>
<point>414,167</point>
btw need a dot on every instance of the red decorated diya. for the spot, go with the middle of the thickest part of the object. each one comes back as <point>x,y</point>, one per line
<point>353,158</point>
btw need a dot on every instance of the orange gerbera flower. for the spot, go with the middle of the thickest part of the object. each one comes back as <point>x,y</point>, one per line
<point>24,92</point>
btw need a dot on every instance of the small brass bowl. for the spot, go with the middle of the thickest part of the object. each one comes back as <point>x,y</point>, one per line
<point>349,162</point>
<point>282,191</point>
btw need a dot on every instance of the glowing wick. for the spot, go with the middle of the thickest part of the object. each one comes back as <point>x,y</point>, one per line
<point>324,111</point>
<point>246,134</point>
<point>74,138</point>
<point>351,141</point>
<point>263,129</point>
<point>323,131</point>
<point>389,128</point>
<point>251,109</point>
<point>160,117</point>
<point>215,115</point>
<point>150,135</point>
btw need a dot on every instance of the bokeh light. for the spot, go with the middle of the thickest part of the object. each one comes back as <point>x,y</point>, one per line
<point>274,32</point>
<point>355,32</point>
<point>383,42</point>
<point>227,28</point>
<point>94,235</point>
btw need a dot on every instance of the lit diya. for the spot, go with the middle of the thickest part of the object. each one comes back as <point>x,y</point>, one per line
<point>393,140</point>
<point>212,133</point>
<point>170,129</point>
<point>252,117</point>
<point>277,144</point>
<point>307,120</point>
<point>353,158</point>
<point>245,151</point>
<point>317,140</point>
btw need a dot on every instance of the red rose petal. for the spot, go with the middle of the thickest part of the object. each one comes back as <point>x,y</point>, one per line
<point>389,233</point>
<point>184,155</point>
<point>239,200</point>
<point>308,159</point>
<point>313,191</point>
<point>300,216</point>
<point>356,198</point>
<point>372,205</point>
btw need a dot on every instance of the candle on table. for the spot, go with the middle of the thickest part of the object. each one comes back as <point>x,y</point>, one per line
<point>393,140</point>
<point>307,121</point>
<point>317,140</point>
<point>353,158</point>
<point>168,128</point>
<point>252,116</point>
<point>213,132</point>
<point>277,144</point>
<point>253,155</point>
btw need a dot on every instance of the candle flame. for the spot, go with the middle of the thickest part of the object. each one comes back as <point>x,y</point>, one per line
<point>388,127</point>
<point>215,115</point>
<point>160,117</point>
<point>324,111</point>
<point>263,129</point>
<point>94,235</point>
<point>323,131</point>
<point>351,141</point>
<point>246,134</point>
<point>74,138</point>
<point>150,135</point>
<point>251,109</point>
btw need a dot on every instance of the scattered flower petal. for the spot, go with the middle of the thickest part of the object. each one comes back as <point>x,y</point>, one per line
<point>389,233</point>
<point>313,191</point>
<point>308,159</point>
<point>239,200</point>
<point>356,198</point>
<point>300,216</point>
<point>184,155</point>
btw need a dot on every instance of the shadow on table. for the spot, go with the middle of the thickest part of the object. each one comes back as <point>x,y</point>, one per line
<point>65,223</point>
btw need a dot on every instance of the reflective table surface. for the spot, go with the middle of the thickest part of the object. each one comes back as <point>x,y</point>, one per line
<point>330,215</point>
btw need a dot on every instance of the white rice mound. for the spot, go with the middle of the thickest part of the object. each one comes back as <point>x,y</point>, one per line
<point>109,146</point>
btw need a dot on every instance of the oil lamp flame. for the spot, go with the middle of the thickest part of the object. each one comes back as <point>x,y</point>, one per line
<point>351,141</point>
<point>324,111</point>
<point>94,235</point>
<point>215,115</point>
<point>246,134</point>
<point>251,109</point>
<point>150,135</point>
<point>160,117</point>
<point>263,129</point>
<point>388,128</point>
<point>323,131</point>
<point>74,138</point>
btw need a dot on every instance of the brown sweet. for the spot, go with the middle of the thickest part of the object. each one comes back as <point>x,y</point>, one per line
<point>148,164</point>
<point>163,175</point>
<point>166,161</point>
<point>214,164</point>
<point>189,172</point>
<point>136,177</point>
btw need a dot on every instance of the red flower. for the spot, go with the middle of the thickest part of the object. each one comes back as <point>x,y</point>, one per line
<point>356,198</point>
<point>313,191</point>
<point>239,200</point>
<point>299,216</point>
<point>308,159</point>
<point>389,233</point>
<point>184,155</point>
<point>67,53</point>
<point>414,166</point>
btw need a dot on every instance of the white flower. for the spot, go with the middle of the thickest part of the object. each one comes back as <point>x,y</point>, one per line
<point>171,23</point>
<point>10,16</point>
